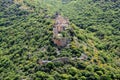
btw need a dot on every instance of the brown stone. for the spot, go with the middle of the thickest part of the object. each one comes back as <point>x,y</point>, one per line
<point>60,24</point>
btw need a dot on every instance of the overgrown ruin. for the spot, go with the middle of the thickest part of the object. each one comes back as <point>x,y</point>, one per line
<point>59,31</point>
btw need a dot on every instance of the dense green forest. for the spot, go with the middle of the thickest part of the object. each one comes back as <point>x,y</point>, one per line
<point>26,38</point>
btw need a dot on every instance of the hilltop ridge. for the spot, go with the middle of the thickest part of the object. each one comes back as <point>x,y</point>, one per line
<point>82,42</point>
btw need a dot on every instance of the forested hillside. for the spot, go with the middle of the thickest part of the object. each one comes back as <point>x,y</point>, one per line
<point>28,50</point>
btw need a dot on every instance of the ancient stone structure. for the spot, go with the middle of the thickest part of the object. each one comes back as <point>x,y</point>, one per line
<point>61,24</point>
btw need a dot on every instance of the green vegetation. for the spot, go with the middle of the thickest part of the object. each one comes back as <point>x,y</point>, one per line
<point>26,37</point>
